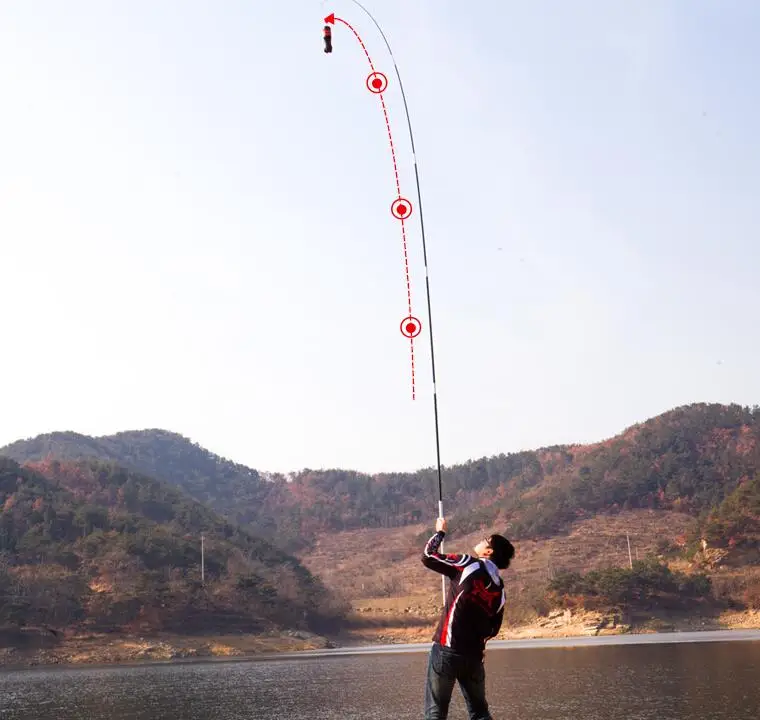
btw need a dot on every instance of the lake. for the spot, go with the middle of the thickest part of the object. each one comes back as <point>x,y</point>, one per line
<point>613,677</point>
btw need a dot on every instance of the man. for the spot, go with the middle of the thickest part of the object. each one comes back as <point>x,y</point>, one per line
<point>472,615</point>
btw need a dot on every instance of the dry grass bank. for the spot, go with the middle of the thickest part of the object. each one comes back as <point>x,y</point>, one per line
<point>395,599</point>
<point>379,564</point>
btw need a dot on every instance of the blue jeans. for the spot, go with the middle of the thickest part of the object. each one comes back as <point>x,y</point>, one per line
<point>444,669</point>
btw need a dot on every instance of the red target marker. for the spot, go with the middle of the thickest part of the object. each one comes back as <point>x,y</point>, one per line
<point>411,327</point>
<point>401,209</point>
<point>377,82</point>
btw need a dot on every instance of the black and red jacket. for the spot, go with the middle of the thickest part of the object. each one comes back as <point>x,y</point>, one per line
<point>475,600</point>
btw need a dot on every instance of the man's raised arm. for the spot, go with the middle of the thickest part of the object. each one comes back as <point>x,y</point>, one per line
<point>450,565</point>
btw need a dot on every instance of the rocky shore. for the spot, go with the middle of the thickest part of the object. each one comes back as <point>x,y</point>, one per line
<point>32,647</point>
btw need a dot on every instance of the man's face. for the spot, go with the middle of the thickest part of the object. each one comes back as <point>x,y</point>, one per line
<point>483,549</point>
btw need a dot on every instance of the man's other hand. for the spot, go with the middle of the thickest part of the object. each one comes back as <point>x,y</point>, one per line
<point>440,524</point>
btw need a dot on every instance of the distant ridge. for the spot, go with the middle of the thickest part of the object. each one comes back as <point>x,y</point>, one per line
<point>688,459</point>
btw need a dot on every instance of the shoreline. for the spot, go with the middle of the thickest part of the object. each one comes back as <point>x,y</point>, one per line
<point>89,650</point>
<point>571,641</point>
<point>575,641</point>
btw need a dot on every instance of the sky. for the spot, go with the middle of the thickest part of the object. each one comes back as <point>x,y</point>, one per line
<point>195,225</point>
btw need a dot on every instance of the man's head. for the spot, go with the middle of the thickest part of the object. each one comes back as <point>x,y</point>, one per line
<point>497,549</point>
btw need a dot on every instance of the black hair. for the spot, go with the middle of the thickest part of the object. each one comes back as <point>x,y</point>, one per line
<point>503,551</point>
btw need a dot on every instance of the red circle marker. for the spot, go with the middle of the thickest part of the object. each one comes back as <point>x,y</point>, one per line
<point>377,83</point>
<point>411,327</point>
<point>401,208</point>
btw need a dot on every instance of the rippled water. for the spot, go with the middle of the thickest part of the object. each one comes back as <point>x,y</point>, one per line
<point>705,681</point>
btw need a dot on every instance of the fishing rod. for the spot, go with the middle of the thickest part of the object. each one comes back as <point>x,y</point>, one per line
<point>427,275</point>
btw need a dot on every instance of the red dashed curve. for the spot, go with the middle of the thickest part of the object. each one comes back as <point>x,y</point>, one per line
<point>398,192</point>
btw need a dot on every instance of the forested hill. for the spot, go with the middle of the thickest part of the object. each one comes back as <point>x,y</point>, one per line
<point>87,543</point>
<point>236,491</point>
<point>689,459</point>
<point>160,454</point>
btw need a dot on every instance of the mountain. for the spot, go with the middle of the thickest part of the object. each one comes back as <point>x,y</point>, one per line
<point>234,490</point>
<point>89,543</point>
<point>688,460</point>
<point>683,486</point>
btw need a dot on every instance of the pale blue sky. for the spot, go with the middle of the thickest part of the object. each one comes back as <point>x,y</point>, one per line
<point>195,234</point>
